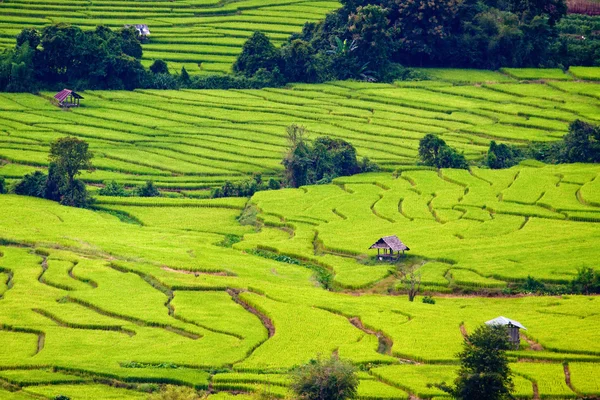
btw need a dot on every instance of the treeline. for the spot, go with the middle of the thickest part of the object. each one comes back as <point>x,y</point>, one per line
<point>371,39</point>
<point>580,145</point>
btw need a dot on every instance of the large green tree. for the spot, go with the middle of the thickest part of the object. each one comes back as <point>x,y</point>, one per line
<point>484,372</point>
<point>331,379</point>
<point>70,155</point>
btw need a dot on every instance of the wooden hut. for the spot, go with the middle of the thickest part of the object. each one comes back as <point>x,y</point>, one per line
<point>512,329</point>
<point>391,246</point>
<point>67,98</point>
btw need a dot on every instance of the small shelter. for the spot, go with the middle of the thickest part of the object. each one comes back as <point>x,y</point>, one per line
<point>391,246</point>
<point>67,98</point>
<point>512,328</point>
<point>142,29</point>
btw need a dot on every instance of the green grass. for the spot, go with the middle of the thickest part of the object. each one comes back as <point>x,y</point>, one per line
<point>531,74</point>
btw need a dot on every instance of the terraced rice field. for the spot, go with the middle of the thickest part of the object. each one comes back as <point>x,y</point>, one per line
<point>192,140</point>
<point>204,35</point>
<point>86,298</point>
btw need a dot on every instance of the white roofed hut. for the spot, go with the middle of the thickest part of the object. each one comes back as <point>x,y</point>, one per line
<point>142,30</point>
<point>389,248</point>
<point>512,328</point>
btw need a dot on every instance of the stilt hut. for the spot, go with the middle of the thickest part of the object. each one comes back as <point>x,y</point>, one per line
<point>67,98</point>
<point>512,329</point>
<point>389,248</point>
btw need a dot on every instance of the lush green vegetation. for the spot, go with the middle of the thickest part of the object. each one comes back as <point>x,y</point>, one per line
<point>101,292</point>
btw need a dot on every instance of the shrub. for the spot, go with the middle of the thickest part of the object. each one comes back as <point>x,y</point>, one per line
<point>33,184</point>
<point>587,281</point>
<point>113,188</point>
<point>62,397</point>
<point>172,392</point>
<point>159,67</point>
<point>332,379</point>
<point>428,300</point>
<point>148,190</point>
<point>582,143</point>
<point>258,53</point>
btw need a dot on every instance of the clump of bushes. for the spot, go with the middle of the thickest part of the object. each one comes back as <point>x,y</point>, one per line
<point>581,144</point>
<point>245,188</point>
<point>331,379</point>
<point>320,162</point>
<point>428,300</point>
<point>587,281</point>
<point>434,152</point>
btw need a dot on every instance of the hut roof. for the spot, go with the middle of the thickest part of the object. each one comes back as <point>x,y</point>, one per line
<point>63,94</point>
<point>505,322</point>
<point>389,242</point>
<point>141,28</point>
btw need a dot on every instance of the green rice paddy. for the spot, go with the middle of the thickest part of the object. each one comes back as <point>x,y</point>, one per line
<point>93,306</point>
<point>205,36</point>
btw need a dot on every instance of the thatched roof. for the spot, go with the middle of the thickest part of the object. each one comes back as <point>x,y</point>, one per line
<point>63,94</point>
<point>389,242</point>
<point>503,321</point>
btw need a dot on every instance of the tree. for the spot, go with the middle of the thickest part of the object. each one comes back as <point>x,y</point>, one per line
<point>434,152</point>
<point>257,53</point>
<point>2,185</point>
<point>33,184</point>
<point>53,183</point>
<point>500,156</point>
<point>332,379</point>
<point>484,371</point>
<point>159,67</point>
<point>297,159</point>
<point>412,282</point>
<point>582,143</point>
<point>184,76</point>
<point>70,155</point>
<point>148,190</point>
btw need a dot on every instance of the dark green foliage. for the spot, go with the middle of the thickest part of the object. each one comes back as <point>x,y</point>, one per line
<point>245,188</point>
<point>332,379</point>
<point>62,397</point>
<point>2,185</point>
<point>113,188</point>
<point>532,285</point>
<point>484,371</point>
<point>367,165</point>
<point>54,183</point>
<point>75,195</point>
<point>184,77</point>
<point>148,190</point>
<point>582,143</point>
<point>63,55</point>
<point>586,282</point>
<point>501,156</point>
<point>428,300</point>
<point>258,54</point>
<point>159,67</point>
<point>321,162</point>
<point>33,184</point>
<point>69,155</point>
<point>434,152</point>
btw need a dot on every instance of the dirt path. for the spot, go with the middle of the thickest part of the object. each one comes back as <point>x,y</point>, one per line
<point>266,321</point>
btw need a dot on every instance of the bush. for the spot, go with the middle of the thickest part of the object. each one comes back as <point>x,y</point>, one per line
<point>586,282</point>
<point>501,156</point>
<point>428,300</point>
<point>325,380</point>
<point>33,184</point>
<point>582,143</point>
<point>113,188</point>
<point>159,67</point>
<point>148,190</point>
<point>172,392</point>
<point>258,53</point>
<point>434,152</point>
